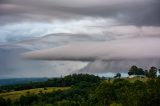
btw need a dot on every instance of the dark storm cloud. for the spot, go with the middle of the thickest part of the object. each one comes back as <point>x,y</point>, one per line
<point>3,1</point>
<point>138,12</point>
<point>13,66</point>
<point>78,21</point>
<point>142,52</point>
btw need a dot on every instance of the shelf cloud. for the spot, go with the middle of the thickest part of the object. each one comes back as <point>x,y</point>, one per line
<point>112,50</point>
<point>127,51</point>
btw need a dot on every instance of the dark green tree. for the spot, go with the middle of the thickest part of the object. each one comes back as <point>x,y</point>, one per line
<point>140,72</point>
<point>146,73</point>
<point>2,102</point>
<point>152,72</point>
<point>159,71</point>
<point>118,75</point>
<point>105,94</point>
<point>134,70</point>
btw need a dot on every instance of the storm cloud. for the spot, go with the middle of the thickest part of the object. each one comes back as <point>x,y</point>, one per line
<point>94,36</point>
<point>12,65</point>
<point>139,51</point>
<point>137,12</point>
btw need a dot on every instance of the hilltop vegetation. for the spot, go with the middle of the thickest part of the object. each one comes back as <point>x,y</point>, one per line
<point>81,85</point>
<point>54,82</point>
<point>15,95</point>
<point>90,90</point>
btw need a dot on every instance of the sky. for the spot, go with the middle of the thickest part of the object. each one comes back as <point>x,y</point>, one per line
<point>77,36</point>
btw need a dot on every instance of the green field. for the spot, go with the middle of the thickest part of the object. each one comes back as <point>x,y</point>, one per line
<point>132,80</point>
<point>137,78</point>
<point>15,95</point>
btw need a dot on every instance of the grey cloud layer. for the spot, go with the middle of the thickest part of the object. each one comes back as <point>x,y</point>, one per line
<point>111,56</point>
<point>12,65</point>
<point>137,12</point>
<point>99,66</point>
<point>79,21</point>
<point>142,48</point>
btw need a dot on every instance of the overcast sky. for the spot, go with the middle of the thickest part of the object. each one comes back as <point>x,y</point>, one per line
<point>29,25</point>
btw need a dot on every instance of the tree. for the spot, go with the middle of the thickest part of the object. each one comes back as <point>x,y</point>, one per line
<point>146,73</point>
<point>152,72</point>
<point>105,94</point>
<point>118,75</point>
<point>2,102</point>
<point>27,100</point>
<point>140,72</point>
<point>134,70</point>
<point>159,71</point>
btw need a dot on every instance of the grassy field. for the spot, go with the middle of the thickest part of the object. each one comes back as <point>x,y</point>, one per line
<point>15,95</point>
<point>137,78</point>
<point>132,79</point>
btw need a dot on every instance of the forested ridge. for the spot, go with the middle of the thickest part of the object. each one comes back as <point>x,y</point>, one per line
<point>91,90</point>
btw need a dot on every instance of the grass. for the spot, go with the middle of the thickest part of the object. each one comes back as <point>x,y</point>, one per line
<point>132,80</point>
<point>137,78</point>
<point>15,95</point>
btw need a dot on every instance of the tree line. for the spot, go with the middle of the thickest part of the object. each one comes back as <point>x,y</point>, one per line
<point>151,73</point>
<point>134,70</point>
<point>90,90</point>
<point>66,81</point>
<point>119,92</point>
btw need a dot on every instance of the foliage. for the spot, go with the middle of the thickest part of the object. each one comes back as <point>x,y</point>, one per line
<point>123,92</point>
<point>152,72</point>
<point>54,82</point>
<point>118,75</point>
<point>4,102</point>
<point>115,104</point>
<point>134,70</point>
<point>89,90</point>
<point>15,95</point>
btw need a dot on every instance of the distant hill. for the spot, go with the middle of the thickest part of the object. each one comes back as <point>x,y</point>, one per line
<point>15,95</point>
<point>12,81</point>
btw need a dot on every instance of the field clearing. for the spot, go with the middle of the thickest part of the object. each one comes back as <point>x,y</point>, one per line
<point>15,95</point>
<point>132,80</point>
<point>137,78</point>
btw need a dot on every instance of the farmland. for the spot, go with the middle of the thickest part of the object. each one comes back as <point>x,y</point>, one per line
<point>15,95</point>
